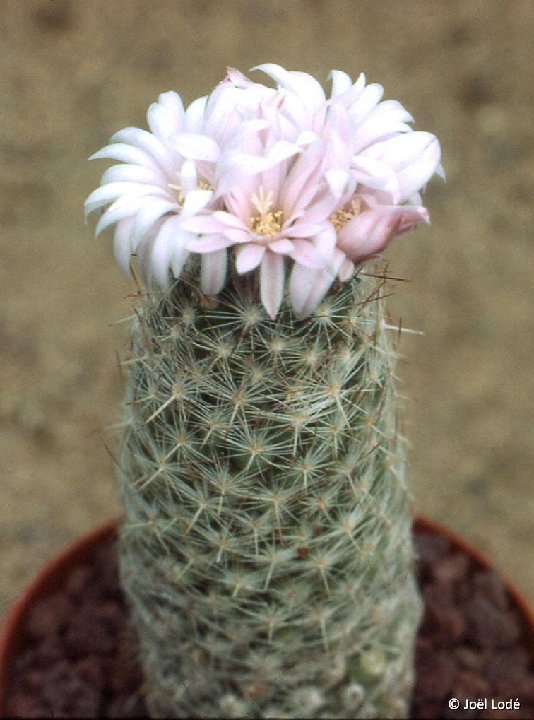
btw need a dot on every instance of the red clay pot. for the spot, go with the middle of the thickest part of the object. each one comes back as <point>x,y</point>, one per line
<point>47,580</point>
<point>59,568</point>
<point>519,600</point>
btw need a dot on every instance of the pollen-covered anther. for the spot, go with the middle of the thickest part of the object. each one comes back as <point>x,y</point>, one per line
<point>267,222</point>
<point>178,193</point>
<point>341,217</point>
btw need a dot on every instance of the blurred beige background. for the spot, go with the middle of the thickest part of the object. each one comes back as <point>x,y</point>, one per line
<point>73,72</point>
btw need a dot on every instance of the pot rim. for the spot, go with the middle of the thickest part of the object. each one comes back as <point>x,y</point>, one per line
<point>57,568</point>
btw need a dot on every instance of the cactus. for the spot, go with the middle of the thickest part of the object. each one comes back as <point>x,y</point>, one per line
<point>266,545</point>
<point>266,548</point>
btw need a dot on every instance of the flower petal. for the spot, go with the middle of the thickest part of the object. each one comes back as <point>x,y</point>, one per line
<point>370,97</point>
<point>283,246</point>
<point>195,200</point>
<point>168,243</point>
<point>131,173</point>
<point>195,146</point>
<point>301,84</point>
<point>165,117</point>
<point>347,270</point>
<point>204,224</point>
<point>147,142</point>
<point>306,254</point>
<point>303,230</point>
<point>230,220</point>
<point>370,232</point>
<point>414,157</point>
<point>106,194</point>
<point>147,216</point>
<point>307,286</point>
<point>272,282</point>
<point>121,245</point>
<point>213,272</point>
<point>248,257</point>
<point>337,181</point>
<point>119,210</point>
<point>128,154</point>
<point>178,260</point>
<point>341,82</point>
<point>160,257</point>
<point>194,115</point>
<point>208,243</point>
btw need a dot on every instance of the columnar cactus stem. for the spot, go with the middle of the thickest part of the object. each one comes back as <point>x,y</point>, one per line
<point>266,547</point>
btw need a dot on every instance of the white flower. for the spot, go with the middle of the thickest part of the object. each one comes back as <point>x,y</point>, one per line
<point>148,197</point>
<point>279,178</point>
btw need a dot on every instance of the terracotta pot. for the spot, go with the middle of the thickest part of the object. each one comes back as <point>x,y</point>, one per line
<point>58,569</point>
<point>518,599</point>
<point>47,580</point>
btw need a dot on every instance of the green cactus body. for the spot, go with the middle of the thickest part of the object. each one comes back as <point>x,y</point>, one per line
<point>266,547</point>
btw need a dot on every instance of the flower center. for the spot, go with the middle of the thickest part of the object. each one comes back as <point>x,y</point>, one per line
<point>341,217</point>
<point>267,222</point>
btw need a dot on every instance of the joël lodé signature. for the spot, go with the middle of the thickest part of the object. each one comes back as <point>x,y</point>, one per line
<point>485,703</point>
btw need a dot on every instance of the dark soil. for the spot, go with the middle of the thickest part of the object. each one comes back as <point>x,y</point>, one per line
<point>80,659</point>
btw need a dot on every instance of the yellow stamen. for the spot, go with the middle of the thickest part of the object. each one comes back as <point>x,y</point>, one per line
<point>180,197</point>
<point>268,222</point>
<point>341,217</point>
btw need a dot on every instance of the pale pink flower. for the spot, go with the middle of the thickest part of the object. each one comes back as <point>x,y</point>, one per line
<point>374,164</point>
<point>282,212</point>
<point>282,178</point>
